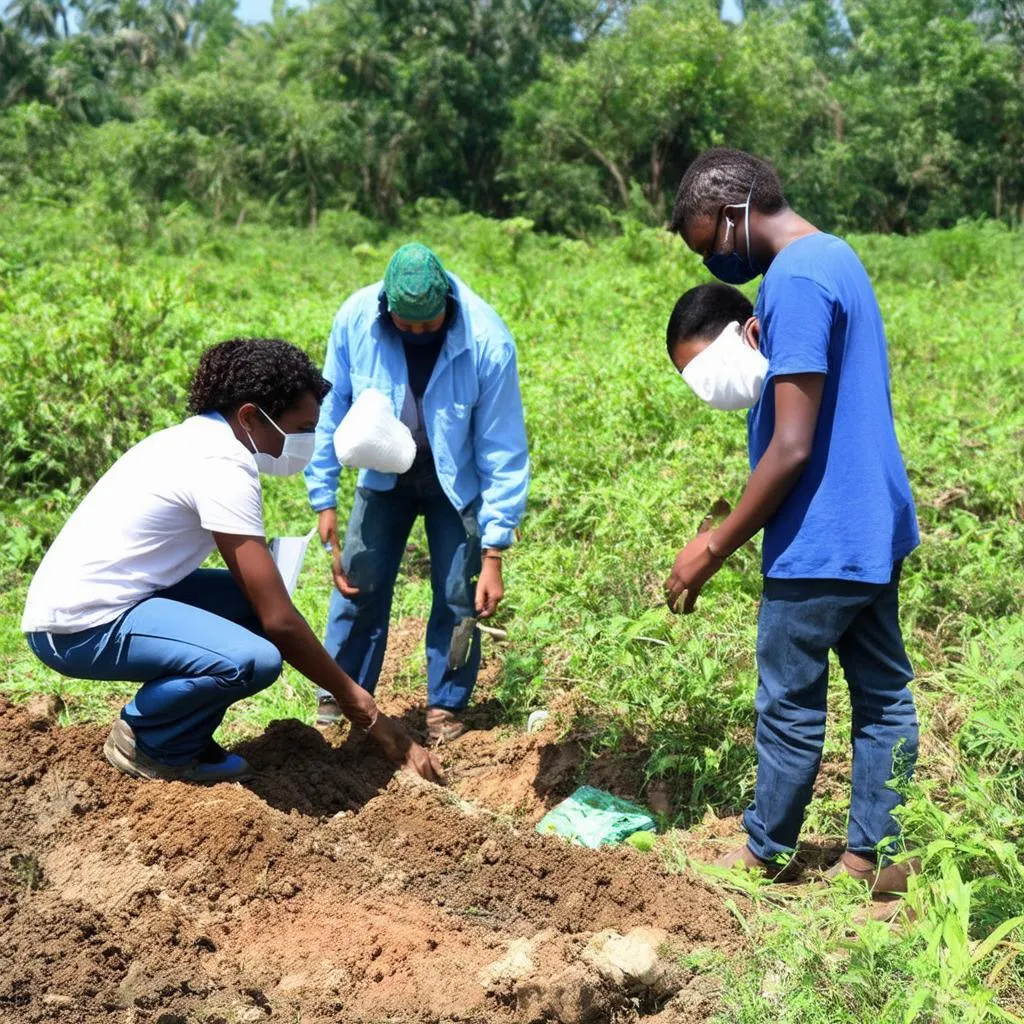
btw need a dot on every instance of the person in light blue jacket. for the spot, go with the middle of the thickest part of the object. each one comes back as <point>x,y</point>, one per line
<point>447,362</point>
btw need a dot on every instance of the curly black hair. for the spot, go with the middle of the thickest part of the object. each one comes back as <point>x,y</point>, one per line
<point>719,176</point>
<point>269,372</point>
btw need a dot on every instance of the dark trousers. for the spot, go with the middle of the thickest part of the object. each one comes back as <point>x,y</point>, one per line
<point>799,622</point>
<point>378,530</point>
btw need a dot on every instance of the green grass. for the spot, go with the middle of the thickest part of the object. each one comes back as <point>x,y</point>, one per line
<point>97,339</point>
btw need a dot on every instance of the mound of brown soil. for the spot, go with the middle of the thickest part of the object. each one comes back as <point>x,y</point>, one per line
<point>326,890</point>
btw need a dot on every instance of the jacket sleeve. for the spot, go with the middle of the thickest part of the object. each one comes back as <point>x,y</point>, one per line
<point>324,469</point>
<point>502,461</point>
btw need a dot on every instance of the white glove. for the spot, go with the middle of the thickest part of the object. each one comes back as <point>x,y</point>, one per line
<point>371,437</point>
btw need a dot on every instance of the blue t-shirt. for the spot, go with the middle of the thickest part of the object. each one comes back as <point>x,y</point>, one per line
<point>851,513</point>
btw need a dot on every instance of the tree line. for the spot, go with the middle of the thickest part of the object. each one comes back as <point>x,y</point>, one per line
<point>881,115</point>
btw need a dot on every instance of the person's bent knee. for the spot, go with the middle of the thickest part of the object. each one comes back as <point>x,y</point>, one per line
<point>262,667</point>
<point>267,665</point>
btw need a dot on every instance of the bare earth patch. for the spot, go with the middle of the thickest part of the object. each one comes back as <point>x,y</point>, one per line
<point>328,889</point>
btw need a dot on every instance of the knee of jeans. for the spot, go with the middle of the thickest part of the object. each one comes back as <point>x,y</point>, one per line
<point>263,668</point>
<point>364,573</point>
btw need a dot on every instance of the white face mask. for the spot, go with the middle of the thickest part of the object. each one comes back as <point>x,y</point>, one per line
<point>728,374</point>
<point>294,457</point>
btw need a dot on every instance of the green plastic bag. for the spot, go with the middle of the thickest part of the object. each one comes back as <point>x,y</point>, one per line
<point>592,817</point>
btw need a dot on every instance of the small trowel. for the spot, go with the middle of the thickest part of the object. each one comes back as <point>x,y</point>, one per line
<point>461,646</point>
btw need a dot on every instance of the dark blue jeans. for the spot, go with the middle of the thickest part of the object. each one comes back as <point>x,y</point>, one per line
<point>800,621</point>
<point>378,529</point>
<point>196,648</point>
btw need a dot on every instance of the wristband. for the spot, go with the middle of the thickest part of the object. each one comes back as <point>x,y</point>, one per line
<point>496,558</point>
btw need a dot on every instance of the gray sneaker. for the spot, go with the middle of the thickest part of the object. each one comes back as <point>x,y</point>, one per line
<point>123,753</point>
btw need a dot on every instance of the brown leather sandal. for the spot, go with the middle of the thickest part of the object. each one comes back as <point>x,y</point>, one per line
<point>744,859</point>
<point>890,878</point>
<point>443,725</point>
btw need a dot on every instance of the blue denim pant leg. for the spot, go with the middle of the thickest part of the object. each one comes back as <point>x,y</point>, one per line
<point>799,622</point>
<point>357,627</point>
<point>454,542</point>
<point>196,649</point>
<point>378,530</point>
<point>884,730</point>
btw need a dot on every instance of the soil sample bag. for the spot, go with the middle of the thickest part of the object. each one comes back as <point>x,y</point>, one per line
<point>372,437</point>
<point>592,817</point>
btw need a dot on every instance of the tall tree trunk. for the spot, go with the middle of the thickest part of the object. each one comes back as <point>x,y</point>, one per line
<point>608,164</point>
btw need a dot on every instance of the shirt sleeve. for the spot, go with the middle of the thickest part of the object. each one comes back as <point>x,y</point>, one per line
<point>502,459</point>
<point>228,497</point>
<point>798,326</point>
<point>324,469</point>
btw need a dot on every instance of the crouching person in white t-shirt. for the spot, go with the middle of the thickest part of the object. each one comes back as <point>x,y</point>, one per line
<point>120,594</point>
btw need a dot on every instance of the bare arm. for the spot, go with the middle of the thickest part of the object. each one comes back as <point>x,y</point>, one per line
<point>253,568</point>
<point>797,402</point>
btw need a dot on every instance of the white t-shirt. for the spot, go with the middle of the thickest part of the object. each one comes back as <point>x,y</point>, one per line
<point>146,525</point>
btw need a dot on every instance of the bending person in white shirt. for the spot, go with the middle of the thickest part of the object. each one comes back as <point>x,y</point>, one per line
<point>120,594</point>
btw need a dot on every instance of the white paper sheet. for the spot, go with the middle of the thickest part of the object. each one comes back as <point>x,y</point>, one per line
<point>289,553</point>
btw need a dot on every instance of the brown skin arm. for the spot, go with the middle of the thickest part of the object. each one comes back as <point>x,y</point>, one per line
<point>797,402</point>
<point>327,524</point>
<point>252,566</point>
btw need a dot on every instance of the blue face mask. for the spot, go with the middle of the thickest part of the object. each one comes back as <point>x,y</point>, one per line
<point>731,267</point>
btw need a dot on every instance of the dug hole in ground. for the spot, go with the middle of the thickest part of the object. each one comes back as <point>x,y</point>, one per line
<point>330,889</point>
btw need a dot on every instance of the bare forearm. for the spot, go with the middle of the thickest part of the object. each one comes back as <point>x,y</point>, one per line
<point>775,476</point>
<point>301,649</point>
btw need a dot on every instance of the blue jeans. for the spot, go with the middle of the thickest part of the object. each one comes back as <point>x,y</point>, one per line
<point>378,529</point>
<point>196,648</point>
<point>800,621</point>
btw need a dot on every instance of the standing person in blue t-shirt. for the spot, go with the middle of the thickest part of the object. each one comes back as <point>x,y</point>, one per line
<point>829,488</point>
<point>447,362</point>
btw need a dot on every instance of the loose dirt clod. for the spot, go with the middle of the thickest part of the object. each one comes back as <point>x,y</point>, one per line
<point>327,889</point>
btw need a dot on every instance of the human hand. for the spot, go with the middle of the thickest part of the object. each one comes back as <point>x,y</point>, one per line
<point>693,567</point>
<point>399,748</point>
<point>490,588</point>
<point>327,526</point>
<point>328,529</point>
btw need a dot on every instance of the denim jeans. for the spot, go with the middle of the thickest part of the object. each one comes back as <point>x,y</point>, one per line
<point>378,529</point>
<point>197,649</point>
<point>799,622</point>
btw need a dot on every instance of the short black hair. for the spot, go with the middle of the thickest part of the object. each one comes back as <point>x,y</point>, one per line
<point>719,176</point>
<point>269,372</point>
<point>704,312</point>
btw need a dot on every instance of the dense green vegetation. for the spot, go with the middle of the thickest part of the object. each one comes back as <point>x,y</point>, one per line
<point>100,325</point>
<point>880,114</point>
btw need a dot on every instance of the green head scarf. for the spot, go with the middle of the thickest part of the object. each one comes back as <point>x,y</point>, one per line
<point>415,283</point>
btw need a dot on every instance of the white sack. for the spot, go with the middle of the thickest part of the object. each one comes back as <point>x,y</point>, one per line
<point>371,437</point>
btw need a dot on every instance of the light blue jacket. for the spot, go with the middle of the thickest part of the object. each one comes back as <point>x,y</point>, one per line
<point>472,408</point>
